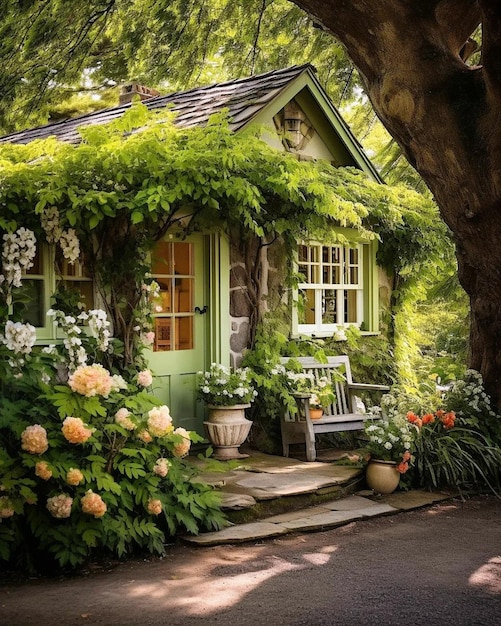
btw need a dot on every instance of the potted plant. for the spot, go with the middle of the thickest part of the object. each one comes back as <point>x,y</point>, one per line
<point>389,445</point>
<point>227,393</point>
<point>319,391</point>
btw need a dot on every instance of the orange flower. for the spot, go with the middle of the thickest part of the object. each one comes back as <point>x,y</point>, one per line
<point>429,418</point>
<point>402,467</point>
<point>406,457</point>
<point>449,419</point>
<point>440,413</point>
<point>418,422</point>
<point>412,417</point>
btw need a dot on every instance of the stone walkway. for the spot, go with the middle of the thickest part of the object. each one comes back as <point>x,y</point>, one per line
<point>268,482</point>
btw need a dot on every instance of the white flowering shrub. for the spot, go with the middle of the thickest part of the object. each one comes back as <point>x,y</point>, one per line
<point>390,440</point>
<point>96,458</point>
<point>18,252</point>
<point>223,386</point>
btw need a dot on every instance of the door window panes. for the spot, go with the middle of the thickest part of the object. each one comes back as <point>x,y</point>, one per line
<point>172,266</point>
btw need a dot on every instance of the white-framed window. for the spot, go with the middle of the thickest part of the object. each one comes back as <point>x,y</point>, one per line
<point>50,271</point>
<point>331,284</point>
<point>75,277</point>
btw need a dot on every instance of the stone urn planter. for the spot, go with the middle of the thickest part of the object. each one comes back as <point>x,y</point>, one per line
<point>227,428</point>
<point>382,476</point>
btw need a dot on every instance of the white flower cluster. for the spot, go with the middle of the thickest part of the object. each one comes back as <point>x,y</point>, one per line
<point>98,326</point>
<point>73,344</point>
<point>118,383</point>
<point>54,233</point>
<point>18,252</point>
<point>51,224</point>
<point>70,245</point>
<point>472,396</point>
<point>301,381</point>
<point>224,386</point>
<point>391,434</point>
<point>150,293</point>
<point>19,338</point>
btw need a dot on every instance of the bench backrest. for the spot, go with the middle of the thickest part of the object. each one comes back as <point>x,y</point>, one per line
<point>335,365</point>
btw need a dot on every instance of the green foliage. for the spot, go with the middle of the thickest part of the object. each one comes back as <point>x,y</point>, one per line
<point>371,357</point>
<point>458,447</point>
<point>104,471</point>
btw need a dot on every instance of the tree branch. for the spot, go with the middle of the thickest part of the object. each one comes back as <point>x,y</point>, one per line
<point>491,43</point>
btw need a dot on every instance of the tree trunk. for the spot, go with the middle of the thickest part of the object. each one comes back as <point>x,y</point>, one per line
<point>446,116</point>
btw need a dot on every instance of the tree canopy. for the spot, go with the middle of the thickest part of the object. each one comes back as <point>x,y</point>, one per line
<point>50,49</point>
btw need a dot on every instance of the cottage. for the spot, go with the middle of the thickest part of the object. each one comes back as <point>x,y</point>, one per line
<point>204,314</point>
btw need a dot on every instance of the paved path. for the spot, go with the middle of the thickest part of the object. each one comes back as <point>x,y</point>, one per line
<point>435,566</point>
<point>266,478</point>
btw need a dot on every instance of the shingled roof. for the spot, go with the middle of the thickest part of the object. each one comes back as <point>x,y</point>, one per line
<point>244,98</point>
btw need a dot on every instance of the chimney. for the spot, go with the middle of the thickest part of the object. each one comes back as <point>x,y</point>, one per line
<point>128,92</point>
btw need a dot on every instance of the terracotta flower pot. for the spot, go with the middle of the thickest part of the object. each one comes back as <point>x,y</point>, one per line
<point>316,414</point>
<point>382,476</point>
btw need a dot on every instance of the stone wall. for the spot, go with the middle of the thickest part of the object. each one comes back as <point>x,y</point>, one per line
<point>248,303</point>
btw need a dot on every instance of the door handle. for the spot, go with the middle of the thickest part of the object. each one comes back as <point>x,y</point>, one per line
<point>202,310</point>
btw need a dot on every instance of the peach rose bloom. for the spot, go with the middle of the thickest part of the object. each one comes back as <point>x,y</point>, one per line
<point>145,436</point>
<point>75,430</point>
<point>161,467</point>
<point>60,506</point>
<point>182,449</point>
<point>91,380</point>
<point>74,477</point>
<point>34,439</point>
<point>144,378</point>
<point>154,507</point>
<point>159,421</point>
<point>122,419</point>
<point>6,508</point>
<point>93,504</point>
<point>42,470</point>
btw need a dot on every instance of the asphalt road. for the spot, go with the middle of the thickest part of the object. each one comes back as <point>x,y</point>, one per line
<point>436,566</point>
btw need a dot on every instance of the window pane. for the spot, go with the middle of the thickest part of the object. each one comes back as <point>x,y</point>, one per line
<point>184,333</point>
<point>164,303</point>
<point>306,314</point>
<point>302,253</point>
<point>37,263</point>
<point>352,266</point>
<point>29,304</point>
<point>161,258</point>
<point>350,306</point>
<point>183,258</point>
<point>86,290</point>
<point>329,306</point>
<point>162,334</point>
<point>184,295</point>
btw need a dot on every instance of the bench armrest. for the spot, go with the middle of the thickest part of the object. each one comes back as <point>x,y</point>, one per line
<point>368,387</point>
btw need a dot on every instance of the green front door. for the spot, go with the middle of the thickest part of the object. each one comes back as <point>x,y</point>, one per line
<point>181,327</point>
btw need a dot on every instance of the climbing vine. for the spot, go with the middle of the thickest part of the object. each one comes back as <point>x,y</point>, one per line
<point>129,182</point>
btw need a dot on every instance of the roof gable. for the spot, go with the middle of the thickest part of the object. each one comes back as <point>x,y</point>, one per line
<point>247,100</point>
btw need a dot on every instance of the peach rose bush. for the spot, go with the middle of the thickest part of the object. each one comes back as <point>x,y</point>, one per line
<point>91,462</point>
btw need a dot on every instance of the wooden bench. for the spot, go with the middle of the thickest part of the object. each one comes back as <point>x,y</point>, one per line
<point>342,415</point>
